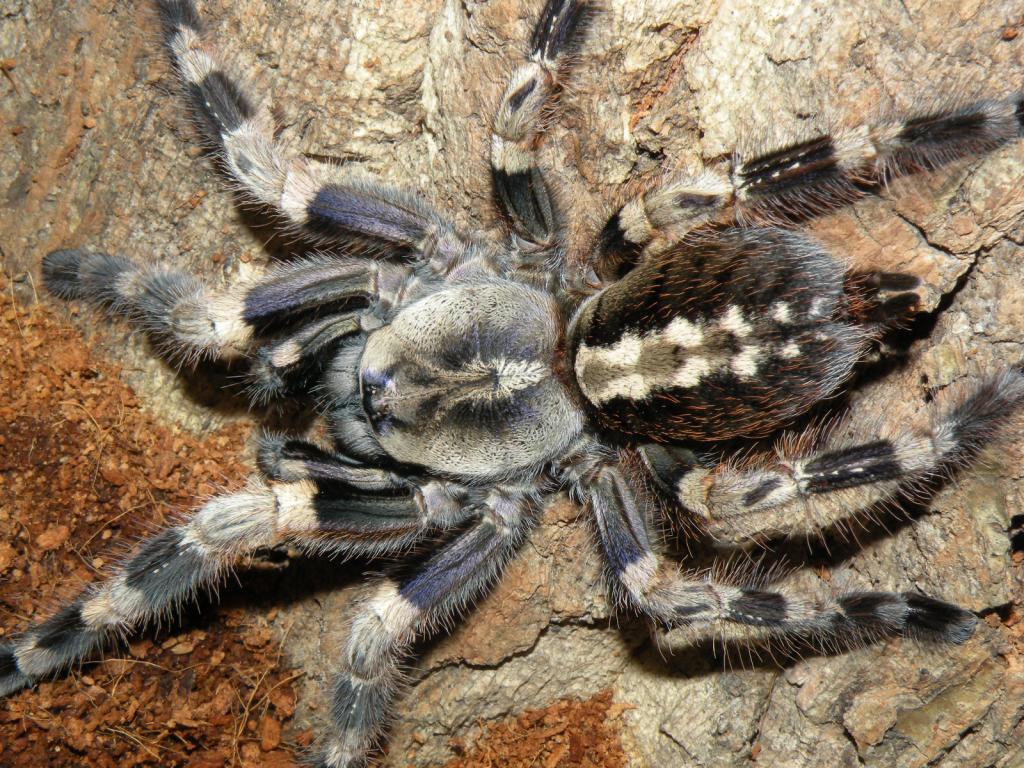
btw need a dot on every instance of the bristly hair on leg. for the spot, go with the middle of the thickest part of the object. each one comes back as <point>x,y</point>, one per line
<point>521,193</point>
<point>835,163</point>
<point>463,377</point>
<point>559,31</point>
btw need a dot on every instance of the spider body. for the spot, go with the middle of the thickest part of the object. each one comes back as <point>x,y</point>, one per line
<point>731,335</point>
<point>465,378</point>
<point>465,381</point>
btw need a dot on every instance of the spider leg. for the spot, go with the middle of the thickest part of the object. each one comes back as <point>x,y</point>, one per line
<point>826,171</point>
<point>294,364</point>
<point>288,460</point>
<point>521,192</point>
<point>388,623</point>
<point>360,509</point>
<point>367,511</point>
<point>188,321</point>
<point>702,606</point>
<point>803,179</point>
<point>310,199</point>
<point>801,491</point>
<point>662,213</point>
<point>882,299</point>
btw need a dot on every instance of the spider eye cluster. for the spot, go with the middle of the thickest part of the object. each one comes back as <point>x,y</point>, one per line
<point>375,402</point>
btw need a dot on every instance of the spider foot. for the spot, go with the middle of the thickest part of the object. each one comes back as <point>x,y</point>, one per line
<point>76,273</point>
<point>884,298</point>
<point>908,613</point>
<point>11,677</point>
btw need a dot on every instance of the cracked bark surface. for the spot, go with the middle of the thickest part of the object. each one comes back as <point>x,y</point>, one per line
<point>98,154</point>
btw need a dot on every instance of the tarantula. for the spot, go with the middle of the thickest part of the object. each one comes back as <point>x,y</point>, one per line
<point>465,380</point>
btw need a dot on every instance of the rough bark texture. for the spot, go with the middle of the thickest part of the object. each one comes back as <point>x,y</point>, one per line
<point>96,152</point>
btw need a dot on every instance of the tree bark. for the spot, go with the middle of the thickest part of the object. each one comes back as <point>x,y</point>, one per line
<point>97,153</point>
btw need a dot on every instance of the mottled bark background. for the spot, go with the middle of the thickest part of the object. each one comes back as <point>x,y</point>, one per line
<point>96,151</point>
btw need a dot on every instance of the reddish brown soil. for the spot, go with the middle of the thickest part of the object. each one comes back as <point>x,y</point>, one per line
<point>84,472</point>
<point>566,734</point>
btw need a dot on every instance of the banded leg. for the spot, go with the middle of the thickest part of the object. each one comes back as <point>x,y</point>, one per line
<point>803,179</point>
<point>365,512</point>
<point>167,570</point>
<point>189,322</point>
<point>662,213</point>
<point>306,196</point>
<point>700,606</point>
<point>803,491</point>
<point>383,631</point>
<point>295,364</point>
<point>352,508</point>
<point>826,171</point>
<point>521,192</point>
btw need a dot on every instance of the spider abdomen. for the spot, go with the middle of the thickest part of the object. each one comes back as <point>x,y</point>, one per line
<point>731,334</point>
